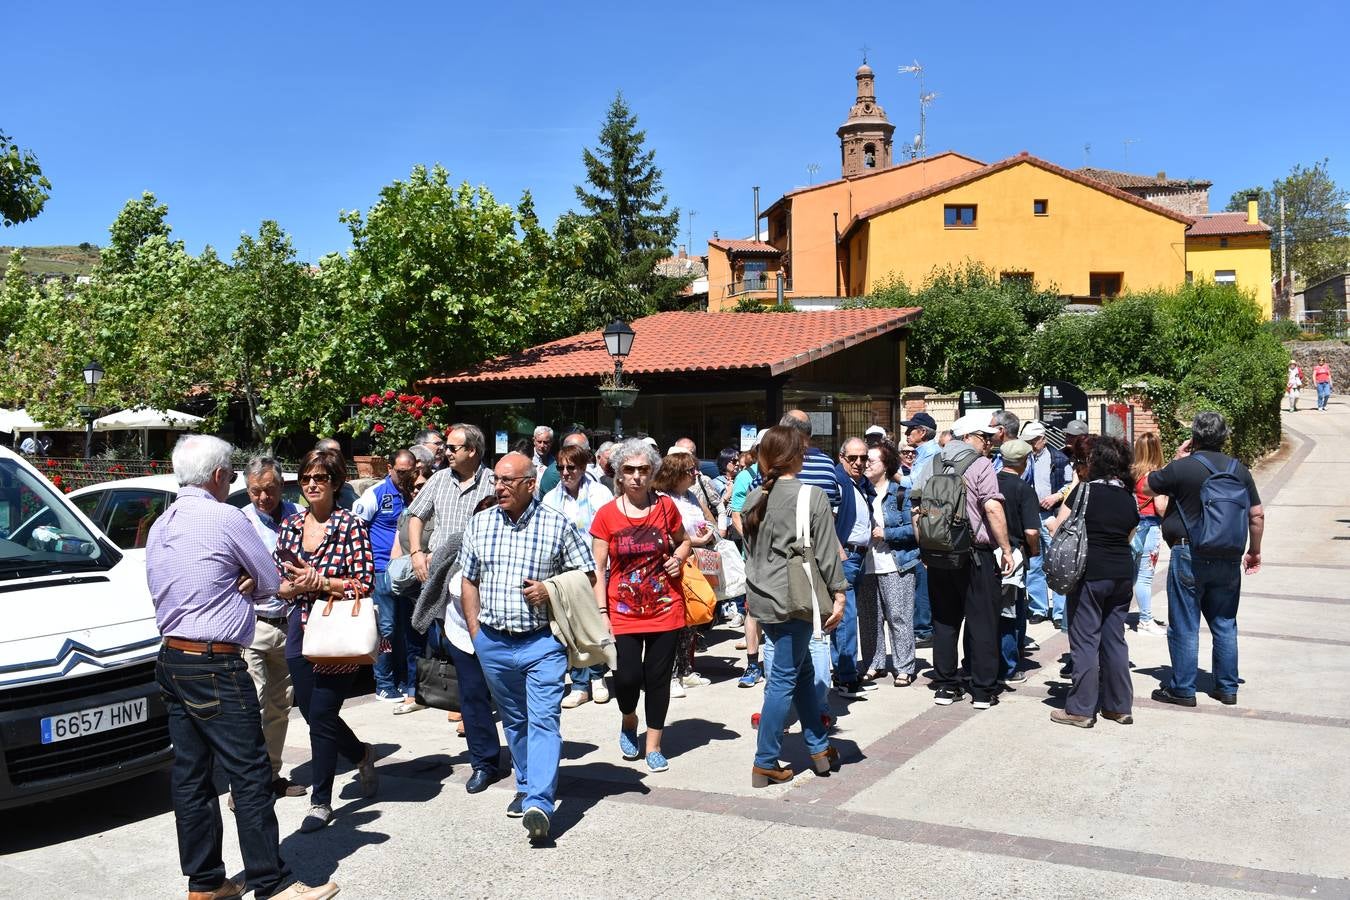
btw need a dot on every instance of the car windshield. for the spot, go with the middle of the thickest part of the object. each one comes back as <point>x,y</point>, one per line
<point>39,533</point>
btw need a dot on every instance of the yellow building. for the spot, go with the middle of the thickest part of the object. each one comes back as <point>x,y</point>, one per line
<point>1233,248</point>
<point>1024,218</point>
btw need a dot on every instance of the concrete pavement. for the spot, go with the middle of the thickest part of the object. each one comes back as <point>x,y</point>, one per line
<point>931,801</point>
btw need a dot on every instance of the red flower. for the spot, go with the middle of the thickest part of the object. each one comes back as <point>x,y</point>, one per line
<point>415,413</point>
<point>418,401</point>
<point>389,395</point>
<point>437,401</point>
<point>56,480</point>
<point>51,464</point>
<point>378,429</point>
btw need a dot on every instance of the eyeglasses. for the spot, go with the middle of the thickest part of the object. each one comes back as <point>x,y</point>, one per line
<point>512,480</point>
<point>316,477</point>
<point>565,469</point>
<point>856,459</point>
<point>635,470</point>
<point>455,448</point>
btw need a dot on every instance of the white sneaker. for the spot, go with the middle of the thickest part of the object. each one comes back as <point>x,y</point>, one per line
<point>599,690</point>
<point>1151,627</point>
<point>694,679</point>
<point>676,689</point>
<point>575,699</point>
<point>736,620</point>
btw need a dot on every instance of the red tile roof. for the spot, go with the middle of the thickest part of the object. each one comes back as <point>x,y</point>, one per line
<point>743,246</point>
<point>1127,180</point>
<point>1020,159</point>
<point>672,342</point>
<point>1225,224</point>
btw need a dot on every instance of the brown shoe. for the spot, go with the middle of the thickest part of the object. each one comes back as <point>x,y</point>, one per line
<point>453,716</point>
<point>825,760</point>
<point>299,891</point>
<point>1065,718</point>
<point>1122,718</point>
<point>227,891</point>
<point>764,777</point>
<point>284,787</point>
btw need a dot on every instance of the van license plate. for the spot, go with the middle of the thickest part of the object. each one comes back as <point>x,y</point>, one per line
<point>92,721</point>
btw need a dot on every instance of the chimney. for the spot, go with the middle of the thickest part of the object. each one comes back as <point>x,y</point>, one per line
<point>684,252</point>
<point>715,234</point>
<point>756,234</point>
<point>1251,208</point>
<point>1162,176</point>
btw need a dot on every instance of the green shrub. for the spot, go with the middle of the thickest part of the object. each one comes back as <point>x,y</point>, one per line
<point>1283,330</point>
<point>1245,382</point>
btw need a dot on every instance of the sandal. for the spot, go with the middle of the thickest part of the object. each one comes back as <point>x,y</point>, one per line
<point>904,680</point>
<point>407,706</point>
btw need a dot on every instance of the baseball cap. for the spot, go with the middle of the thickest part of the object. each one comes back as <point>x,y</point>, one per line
<point>875,429</point>
<point>1015,451</point>
<point>650,442</point>
<point>678,449</point>
<point>1032,430</point>
<point>759,437</point>
<point>1077,426</point>
<point>920,418</point>
<point>972,423</point>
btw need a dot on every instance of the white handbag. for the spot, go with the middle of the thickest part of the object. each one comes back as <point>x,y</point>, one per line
<point>342,632</point>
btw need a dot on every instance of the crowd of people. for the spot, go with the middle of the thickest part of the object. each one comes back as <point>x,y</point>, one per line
<point>837,569</point>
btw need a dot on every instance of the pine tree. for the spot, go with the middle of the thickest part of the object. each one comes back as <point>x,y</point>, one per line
<point>627,200</point>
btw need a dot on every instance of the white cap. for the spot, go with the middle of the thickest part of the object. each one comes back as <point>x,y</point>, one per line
<point>973,423</point>
<point>875,429</point>
<point>759,437</point>
<point>650,442</point>
<point>1033,430</point>
<point>678,449</point>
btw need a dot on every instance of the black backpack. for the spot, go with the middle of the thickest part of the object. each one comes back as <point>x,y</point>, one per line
<point>1221,530</point>
<point>941,523</point>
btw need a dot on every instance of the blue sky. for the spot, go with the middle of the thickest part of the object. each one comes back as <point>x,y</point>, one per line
<point>293,111</point>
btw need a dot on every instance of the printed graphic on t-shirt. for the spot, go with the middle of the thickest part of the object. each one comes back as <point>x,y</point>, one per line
<point>643,588</point>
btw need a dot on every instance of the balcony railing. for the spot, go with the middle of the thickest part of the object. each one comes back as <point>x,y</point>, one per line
<point>754,283</point>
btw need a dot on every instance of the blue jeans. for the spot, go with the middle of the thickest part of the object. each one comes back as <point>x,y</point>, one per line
<point>525,673</point>
<point>475,702</point>
<point>790,679</point>
<point>582,678</point>
<point>214,721</point>
<point>1041,601</point>
<point>820,665</point>
<point>1146,540</point>
<point>396,671</point>
<point>1197,586</point>
<point>844,639</point>
<point>1012,632</point>
<point>1323,394</point>
<point>923,607</point>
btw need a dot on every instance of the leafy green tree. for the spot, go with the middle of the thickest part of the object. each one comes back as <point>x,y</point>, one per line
<point>17,294</point>
<point>23,187</point>
<point>138,221</point>
<point>1316,229</point>
<point>625,196</point>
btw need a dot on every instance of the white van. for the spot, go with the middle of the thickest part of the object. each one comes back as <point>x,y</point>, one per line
<point>79,706</point>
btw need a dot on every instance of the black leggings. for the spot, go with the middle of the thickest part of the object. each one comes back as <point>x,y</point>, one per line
<point>320,696</point>
<point>646,661</point>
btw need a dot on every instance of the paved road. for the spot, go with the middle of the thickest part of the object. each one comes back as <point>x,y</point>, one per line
<point>931,802</point>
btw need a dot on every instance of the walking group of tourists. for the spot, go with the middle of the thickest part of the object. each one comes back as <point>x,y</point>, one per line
<point>557,579</point>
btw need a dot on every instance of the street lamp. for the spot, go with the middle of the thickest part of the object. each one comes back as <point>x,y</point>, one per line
<point>93,374</point>
<point>619,343</point>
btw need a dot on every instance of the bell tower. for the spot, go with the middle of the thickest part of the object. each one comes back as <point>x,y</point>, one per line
<point>865,137</point>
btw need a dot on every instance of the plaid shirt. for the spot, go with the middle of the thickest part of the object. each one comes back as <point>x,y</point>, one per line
<point>450,503</point>
<point>498,555</point>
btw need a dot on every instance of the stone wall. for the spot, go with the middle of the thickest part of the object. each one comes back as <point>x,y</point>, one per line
<point>1306,354</point>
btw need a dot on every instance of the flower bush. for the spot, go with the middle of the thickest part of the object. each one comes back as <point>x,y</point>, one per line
<point>391,419</point>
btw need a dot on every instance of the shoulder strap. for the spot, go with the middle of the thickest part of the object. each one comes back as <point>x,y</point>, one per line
<point>965,462</point>
<point>804,515</point>
<point>1206,463</point>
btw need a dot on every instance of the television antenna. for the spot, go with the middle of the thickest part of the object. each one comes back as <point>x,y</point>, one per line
<point>811,170</point>
<point>926,99</point>
<point>1127,142</point>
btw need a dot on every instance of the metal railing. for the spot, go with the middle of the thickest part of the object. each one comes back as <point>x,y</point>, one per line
<point>755,283</point>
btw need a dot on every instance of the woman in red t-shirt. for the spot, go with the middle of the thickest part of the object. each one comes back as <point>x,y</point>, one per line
<point>642,539</point>
<point>1147,458</point>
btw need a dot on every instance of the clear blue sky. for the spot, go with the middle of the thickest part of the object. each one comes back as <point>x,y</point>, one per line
<point>232,113</point>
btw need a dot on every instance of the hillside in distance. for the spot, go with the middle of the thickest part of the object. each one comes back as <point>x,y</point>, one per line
<point>62,259</point>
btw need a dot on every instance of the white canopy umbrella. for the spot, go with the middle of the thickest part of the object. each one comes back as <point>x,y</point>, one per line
<point>18,421</point>
<point>147,419</point>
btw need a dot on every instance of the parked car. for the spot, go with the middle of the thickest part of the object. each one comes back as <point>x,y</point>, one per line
<point>79,706</point>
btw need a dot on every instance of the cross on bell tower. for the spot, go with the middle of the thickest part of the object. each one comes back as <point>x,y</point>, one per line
<point>865,137</point>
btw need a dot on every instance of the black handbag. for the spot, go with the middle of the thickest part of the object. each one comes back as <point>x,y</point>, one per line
<point>437,683</point>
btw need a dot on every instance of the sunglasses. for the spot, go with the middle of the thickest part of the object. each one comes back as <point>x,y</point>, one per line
<point>856,459</point>
<point>565,469</point>
<point>316,477</point>
<point>454,448</point>
<point>636,470</point>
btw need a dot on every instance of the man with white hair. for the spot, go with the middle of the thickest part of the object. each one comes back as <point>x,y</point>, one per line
<point>543,450</point>
<point>549,478</point>
<point>206,568</point>
<point>1047,471</point>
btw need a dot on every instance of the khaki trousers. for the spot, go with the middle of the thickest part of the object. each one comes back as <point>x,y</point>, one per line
<point>266,658</point>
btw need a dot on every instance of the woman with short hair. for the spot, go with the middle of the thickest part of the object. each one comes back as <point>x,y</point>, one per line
<point>1098,604</point>
<point>777,603</point>
<point>335,561</point>
<point>641,538</point>
<point>886,590</point>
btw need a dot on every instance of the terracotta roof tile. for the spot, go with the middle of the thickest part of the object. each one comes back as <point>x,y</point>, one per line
<point>1128,180</point>
<point>674,342</point>
<point>1225,224</point>
<point>993,168</point>
<point>743,246</point>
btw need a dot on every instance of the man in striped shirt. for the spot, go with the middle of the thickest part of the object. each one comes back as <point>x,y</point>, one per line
<point>507,554</point>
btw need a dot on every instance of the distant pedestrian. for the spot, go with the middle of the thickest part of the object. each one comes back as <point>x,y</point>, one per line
<point>434,442</point>
<point>1147,537</point>
<point>1293,383</point>
<point>1204,582</point>
<point>542,442</point>
<point>507,555</point>
<point>1100,601</point>
<point>1322,378</point>
<point>206,568</point>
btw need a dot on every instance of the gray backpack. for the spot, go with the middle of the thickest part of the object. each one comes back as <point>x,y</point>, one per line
<point>1066,561</point>
<point>942,525</point>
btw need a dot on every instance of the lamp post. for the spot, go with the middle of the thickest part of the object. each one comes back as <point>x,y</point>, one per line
<point>619,342</point>
<point>93,374</point>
